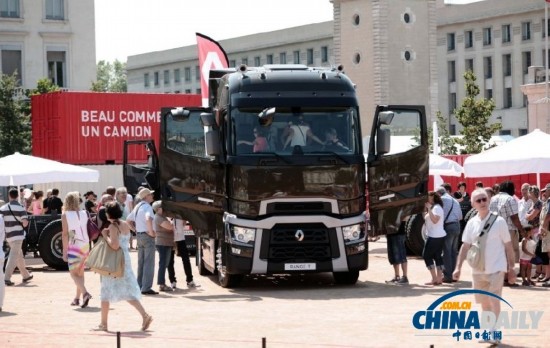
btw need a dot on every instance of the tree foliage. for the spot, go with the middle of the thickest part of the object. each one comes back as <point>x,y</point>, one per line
<point>15,130</point>
<point>111,77</point>
<point>473,115</point>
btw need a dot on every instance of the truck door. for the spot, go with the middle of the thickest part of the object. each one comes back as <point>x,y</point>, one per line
<point>191,180</point>
<point>140,165</point>
<point>397,162</point>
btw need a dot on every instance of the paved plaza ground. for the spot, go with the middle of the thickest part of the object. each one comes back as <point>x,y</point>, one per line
<point>300,311</point>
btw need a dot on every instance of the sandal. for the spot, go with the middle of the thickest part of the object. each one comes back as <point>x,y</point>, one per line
<point>146,322</point>
<point>430,283</point>
<point>76,302</point>
<point>85,299</point>
<point>536,275</point>
<point>100,327</point>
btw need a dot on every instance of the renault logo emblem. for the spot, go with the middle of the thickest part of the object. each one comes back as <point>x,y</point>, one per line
<point>299,235</point>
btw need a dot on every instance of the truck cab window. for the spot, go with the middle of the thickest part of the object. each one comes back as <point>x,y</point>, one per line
<point>310,130</point>
<point>404,130</point>
<point>185,136</point>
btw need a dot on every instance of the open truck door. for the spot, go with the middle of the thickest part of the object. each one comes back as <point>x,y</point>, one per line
<point>140,166</point>
<point>398,164</point>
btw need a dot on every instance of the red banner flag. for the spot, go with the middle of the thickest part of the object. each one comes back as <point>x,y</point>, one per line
<point>211,56</point>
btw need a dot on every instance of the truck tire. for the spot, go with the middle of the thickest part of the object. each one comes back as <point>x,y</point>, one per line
<point>200,262</point>
<point>50,246</point>
<point>346,278</point>
<point>226,280</point>
<point>415,241</point>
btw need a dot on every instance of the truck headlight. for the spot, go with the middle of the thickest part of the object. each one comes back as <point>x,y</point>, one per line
<point>352,233</point>
<point>243,235</point>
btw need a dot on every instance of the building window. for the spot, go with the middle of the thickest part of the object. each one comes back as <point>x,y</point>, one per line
<point>11,62</point>
<point>187,91</point>
<point>450,41</point>
<point>522,131</point>
<point>310,56</point>
<point>506,33</point>
<point>488,67</point>
<point>9,9</point>
<point>56,68</point>
<point>177,75</point>
<point>526,61</point>
<point>505,132</point>
<point>187,73</point>
<point>232,63</point>
<point>544,56</point>
<point>244,61</point>
<point>507,64</point>
<point>198,91</point>
<point>269,59</point>
<point>545,27</point>
<point>156,78</point>
<point>452,103</point>
<point>468,39</point>
<point>452,129</point>
<point>166,77</point>
<point>296,56</point>
<point>507,98</point>
<point>146,79</point>
<point>488,94</point>
<point>197,73</point>
<point>257,61</point>
<point>55,10</point>
<point>487,37</point>
<point>282,58</point>
<point>526,31</point>
<point>451,71</point>
<point>324,54</point>
<point>469,64</point>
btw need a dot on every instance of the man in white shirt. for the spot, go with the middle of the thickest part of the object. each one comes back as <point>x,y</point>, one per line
<point>141,218</point>
<point>524,204</point>
<point>498,253</point>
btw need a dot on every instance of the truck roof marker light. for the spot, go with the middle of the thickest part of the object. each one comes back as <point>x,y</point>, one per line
<point>263,76</point>
<point>323,76</point>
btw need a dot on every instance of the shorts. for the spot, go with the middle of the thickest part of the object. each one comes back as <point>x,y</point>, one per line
<point>489,282</point>
<point>523,262</point>
<point>539,253</point>
<point>397,253</point>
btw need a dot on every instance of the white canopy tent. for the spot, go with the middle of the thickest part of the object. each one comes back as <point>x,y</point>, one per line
<point>18,169</point>
<point>443,166</point>
<point>523,155</point>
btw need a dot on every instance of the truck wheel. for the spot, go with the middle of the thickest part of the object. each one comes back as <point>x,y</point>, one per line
<point>226,280</point>
<point>200,262</point>
<point>346,278</point>
<point>415,241</point>
<point>50,246</point>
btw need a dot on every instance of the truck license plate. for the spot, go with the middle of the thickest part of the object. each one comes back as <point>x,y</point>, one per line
<point>300,267</point>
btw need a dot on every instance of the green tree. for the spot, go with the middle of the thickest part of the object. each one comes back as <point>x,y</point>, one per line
<point>447,145</point>
<point>44,85</point>
<point>111,77</point>
<point>474,115</point>
<point>15,131</point>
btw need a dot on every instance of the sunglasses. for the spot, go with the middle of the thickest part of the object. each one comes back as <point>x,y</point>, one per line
<point>484,199</point>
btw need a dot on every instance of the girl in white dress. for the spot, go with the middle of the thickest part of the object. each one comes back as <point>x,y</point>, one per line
<point>76,244</point>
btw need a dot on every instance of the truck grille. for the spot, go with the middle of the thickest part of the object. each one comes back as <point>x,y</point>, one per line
<point>318,243</point>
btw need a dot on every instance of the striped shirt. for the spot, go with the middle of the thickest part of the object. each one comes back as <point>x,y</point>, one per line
<point>14,230</point>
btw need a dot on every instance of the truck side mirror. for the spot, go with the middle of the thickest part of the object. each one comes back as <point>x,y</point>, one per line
<point>383,141</point>
<point>265,118</point>
<point>385,117</point>
<point>212,142</point>
<point>208,119</point>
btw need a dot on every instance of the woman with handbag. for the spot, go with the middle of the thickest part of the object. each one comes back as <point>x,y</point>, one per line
<point>76,244</point>
<point>433,248</point>
<point>125,288</point>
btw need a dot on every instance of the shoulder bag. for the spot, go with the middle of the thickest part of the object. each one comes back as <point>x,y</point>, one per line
<point>476,253</point>
<point>105,260</point>
<point>93,229</point>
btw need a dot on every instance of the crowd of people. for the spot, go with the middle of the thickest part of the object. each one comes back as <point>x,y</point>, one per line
<point>121,219</point>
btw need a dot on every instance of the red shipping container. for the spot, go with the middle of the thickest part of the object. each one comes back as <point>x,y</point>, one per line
<point>90,127</point>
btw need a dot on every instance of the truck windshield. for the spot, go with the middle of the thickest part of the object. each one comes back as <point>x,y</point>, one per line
<point>295,131</point>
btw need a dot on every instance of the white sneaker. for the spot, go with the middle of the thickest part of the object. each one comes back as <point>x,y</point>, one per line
<point>192,284</point>
<point>173,285</point>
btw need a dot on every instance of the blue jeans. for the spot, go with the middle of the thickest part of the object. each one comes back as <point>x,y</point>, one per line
<point>146,261</point>
<point>165,254</point>
<point>450,248</point>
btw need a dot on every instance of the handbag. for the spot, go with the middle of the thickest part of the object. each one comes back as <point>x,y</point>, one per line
<point>476,253</point>
<point>105,260</point>
<point>93,229</point>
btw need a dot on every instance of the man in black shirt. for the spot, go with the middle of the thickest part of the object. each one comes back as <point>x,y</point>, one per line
<point>53,204</point>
